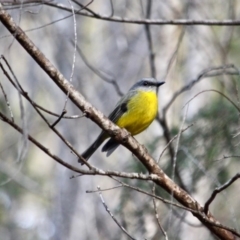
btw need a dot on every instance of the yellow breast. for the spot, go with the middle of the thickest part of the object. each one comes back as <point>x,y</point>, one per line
<point>142,110</point>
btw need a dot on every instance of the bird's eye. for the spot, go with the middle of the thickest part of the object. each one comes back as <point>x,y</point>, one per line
<point>145,83</point>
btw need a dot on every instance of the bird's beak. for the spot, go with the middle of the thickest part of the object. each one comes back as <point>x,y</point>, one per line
<point>158,83</point>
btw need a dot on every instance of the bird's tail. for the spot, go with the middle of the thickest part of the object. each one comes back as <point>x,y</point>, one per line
<point>110,146</point>
<point>89,152</point>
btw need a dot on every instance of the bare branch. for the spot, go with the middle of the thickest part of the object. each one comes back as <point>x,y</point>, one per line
<point>213,90</point>
<point>114,219</point>
<point>17,3</point>
<point>93,171</point>
<point>157,216</point>
<point>92,14</point>
<point>100,74</point>
<point>24,147</point>
<point>57,115</point>
<point>5,96</point>
<point>85,7</point>
<point>25,94</point>
<point>218,190</point>
<point>221,70</point>
<point>60,117</point>
<point>164,149</point>
<point>105,189</point>
<point>152,195</point>
<point>64,111</point>
<point>112,8</point>
<point>149,41</point>
<point>174,54</point>
<point>175,155</point>
<point>167,137</point>
<point>226,157</point>
<point>34,103</point>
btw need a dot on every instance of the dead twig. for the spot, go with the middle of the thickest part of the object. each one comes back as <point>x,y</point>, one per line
<point>112,216</point>
<point>218,190</point>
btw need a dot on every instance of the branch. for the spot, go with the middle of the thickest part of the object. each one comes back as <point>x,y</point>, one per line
<point>92,171</point>
<point>114,219</point>
<point>168,139</point>
<point>17,3</point>
<point>32,102</point>
<point>100,74</point>
<point>218,190</point>
<point>6,100</point>
<point>156,214</point>
<point>92,14</point>
<point>213,90</point>
<point>153,195</point>
<point>149,41</point>
<point>210,72</point>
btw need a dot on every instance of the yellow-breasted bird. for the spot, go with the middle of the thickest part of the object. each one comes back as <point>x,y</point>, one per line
<point>135,112</point>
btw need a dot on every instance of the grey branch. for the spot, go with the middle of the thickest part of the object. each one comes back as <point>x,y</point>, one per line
<point>114,219</point>
<point>218,190</point>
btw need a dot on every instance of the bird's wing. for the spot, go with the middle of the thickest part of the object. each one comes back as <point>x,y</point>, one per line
<point>121,107</point>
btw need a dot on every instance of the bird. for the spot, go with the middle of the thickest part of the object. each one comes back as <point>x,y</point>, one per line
<point>135,111</point>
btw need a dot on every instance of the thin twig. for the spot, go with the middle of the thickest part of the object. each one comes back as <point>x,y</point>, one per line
<point>25,94</point>
<point>175,156</point>
<point>163,122</point>
<point>226,69</point>
<point>218,190</point>
<point>85,7</point>
<point>213,90</point>
<point>195,225</point>
<point>57,115</point>
<point>59,119</point>
<point>7,102</point>
<point>5,95</point>
<point>25,2</point>
<point>105,189</point>
<point>151,195</point>
<point>112,8</point>
<point>167,136</point>
<point>164,149</point>
<point>92,171</point>
<point>149,41</point>
<point>24,148</point>
<point>157,216</point>
<point>174,54</point>
<point>205,219</point>
<point>76,11</point>
<point>114,219</point>
<point>64,111</point>
<point>187,22</point>
<point>99,73</point>
<point>178,142</point>
<point>226,157</point>
<point>37,105</point>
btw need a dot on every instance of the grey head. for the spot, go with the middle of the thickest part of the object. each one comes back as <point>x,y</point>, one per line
<point>147,84</point>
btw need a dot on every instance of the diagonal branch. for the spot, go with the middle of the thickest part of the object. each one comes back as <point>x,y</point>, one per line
<point>218,190</point>
<point>112,216</point>
<point>92,171</point>
<point>228,69</point>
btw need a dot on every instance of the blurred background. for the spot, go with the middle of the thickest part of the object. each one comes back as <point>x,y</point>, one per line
<point>39,199</point>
